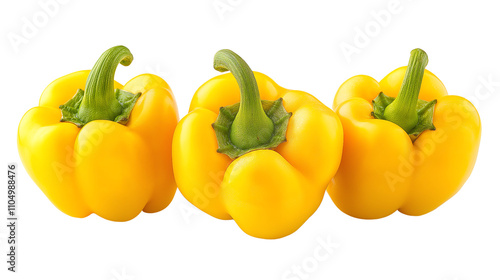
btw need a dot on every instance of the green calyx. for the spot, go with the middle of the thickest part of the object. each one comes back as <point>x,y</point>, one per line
<point>406,110</point>
<point>253,123</point>
<point>425,111</point>
<point>100,100</point>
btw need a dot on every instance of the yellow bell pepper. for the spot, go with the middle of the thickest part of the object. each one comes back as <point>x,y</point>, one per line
<point>251,161</point>
<point>110,153</point>
<point>400,152</point>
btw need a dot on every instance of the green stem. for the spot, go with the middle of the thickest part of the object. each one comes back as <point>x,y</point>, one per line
<point>403,111</point>
<point>251,126</point>
<point>99,101</point>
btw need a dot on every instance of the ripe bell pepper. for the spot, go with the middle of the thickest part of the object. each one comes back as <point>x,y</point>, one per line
<point>105,149</point>
<point>264,163</point>
<point>401,152</point>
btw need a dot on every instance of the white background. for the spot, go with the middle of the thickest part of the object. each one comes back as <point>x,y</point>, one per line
<point>299,45</point>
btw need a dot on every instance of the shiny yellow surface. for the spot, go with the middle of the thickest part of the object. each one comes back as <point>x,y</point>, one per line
<point>110,169</point>
<point>382,170</point>
<point>269,193</point>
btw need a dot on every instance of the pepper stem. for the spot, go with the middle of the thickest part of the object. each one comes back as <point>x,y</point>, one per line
<point>403,111</point>
<point>99,101</point>
<point>251,126</point>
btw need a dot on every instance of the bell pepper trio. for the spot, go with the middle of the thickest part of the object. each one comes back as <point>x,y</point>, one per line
<point>248,149</point>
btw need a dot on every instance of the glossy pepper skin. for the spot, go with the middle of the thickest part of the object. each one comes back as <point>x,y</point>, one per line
<point>382,170</point>
<point>270,193</point>
<point>104,167</point>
